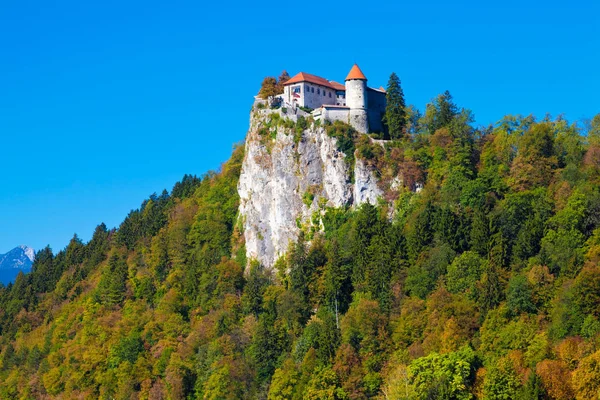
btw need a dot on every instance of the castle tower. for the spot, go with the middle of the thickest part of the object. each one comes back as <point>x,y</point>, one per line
<point>356,99</point>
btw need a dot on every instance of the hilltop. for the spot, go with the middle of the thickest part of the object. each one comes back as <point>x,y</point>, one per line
<point>432,260</point>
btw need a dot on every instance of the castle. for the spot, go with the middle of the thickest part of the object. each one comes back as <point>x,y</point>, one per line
<point>361,106</point>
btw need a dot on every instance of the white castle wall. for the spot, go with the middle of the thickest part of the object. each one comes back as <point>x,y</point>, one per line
<point>315,96</point>
<point>356,99</point>
<point>336,114</point>
<point>358,120</point>
<point>356,94</point>
<point>311,95</point>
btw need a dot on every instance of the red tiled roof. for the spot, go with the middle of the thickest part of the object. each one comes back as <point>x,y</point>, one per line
<point>356,73</point>
<point>304,77</point>
<point>337,86</point>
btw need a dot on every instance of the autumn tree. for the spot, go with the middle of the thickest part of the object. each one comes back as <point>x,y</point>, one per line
<point>268,88</point>
<point>556,379</point>
<point>586,378</point>
<point>283,78</point>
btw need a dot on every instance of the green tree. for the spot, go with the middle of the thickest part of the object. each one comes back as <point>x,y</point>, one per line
<point>395,109</point>
<point>324,385</point>
<point>256,284</point>
<point>112,286</point>
<point>439,113</point>
<point>501,381</point>
<point>464,272</point>
<point>587,291</point>
<point>284,382</point>
<point>518,296</point>
<point>444,376</point>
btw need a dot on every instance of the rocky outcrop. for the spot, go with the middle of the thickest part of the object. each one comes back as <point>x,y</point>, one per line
<point>288,179</point>
<point>366,189</point>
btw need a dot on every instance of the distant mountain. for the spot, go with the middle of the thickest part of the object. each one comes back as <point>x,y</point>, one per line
<point>17,260</point>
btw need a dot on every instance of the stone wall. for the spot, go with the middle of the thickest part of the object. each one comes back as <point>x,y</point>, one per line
<point>356,95</point>
<point>313,95</point>
<point>358,120</point>
<point>336,114</point>
<point>376,109</point>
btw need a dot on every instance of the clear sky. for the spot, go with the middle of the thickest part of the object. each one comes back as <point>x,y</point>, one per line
<point>104,103</point>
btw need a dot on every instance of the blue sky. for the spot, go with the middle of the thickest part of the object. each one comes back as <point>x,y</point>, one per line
<point>104,103</point>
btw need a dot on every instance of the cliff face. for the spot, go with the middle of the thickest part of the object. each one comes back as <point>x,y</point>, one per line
<point>288,178</point>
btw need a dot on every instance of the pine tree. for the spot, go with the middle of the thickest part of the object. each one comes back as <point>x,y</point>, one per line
<point>447,109</point>
<point>395,113</point>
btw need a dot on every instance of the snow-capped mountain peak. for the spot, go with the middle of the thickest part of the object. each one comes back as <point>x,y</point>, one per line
<point>20,257</point>
<point>29,252</point>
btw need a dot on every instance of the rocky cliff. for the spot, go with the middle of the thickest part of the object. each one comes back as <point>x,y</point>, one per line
<point>293,170</point>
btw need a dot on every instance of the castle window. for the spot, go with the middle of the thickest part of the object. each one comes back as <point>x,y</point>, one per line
<point>312,89</point>
<point>318,91</point>
<point>297,89</point>
<point>329,94</point>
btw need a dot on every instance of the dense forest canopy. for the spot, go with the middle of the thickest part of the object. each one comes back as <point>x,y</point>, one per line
<point>486,284</point>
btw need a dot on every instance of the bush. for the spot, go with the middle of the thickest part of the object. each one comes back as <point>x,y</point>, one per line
<point>308,198</point>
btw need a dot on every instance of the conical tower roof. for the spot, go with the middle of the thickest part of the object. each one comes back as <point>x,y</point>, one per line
<point>356,73</point>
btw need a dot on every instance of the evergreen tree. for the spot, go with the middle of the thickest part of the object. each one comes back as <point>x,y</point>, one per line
<point>395,112</point>
<point>447,109</point>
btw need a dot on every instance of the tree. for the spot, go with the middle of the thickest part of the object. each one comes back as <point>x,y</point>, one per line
<point>439,113</point>
<point>271,86</point>
<point>256,284</point>
<point>324,385</point>
<point>444,376</point>
<point>535,161</point>
<point>518,296</point>
<point>464,272</point>
<point>284,382</point>
<point>480,233</point>
<point>395,110</point>
<point>562,250</point>
<point>586,378</point>
<point>556,379</point>
<point>447,109</point>
<point>501,381</point>
<point>587,291</point>
<point>112,286</point>
<point>268,88</point>
<point>283,78</point>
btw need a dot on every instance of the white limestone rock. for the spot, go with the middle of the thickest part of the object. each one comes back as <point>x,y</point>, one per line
<point>365,184</point>
<point>277,173</point>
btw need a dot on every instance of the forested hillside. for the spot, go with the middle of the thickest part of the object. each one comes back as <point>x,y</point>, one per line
<point>485,284</point>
